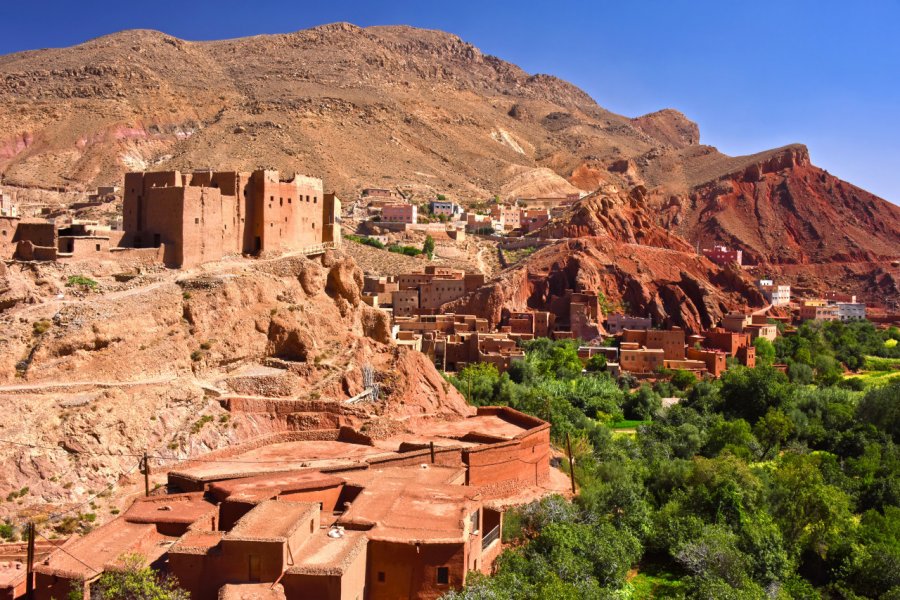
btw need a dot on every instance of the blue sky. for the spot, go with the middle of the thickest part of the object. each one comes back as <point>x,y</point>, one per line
<point>754,75</point>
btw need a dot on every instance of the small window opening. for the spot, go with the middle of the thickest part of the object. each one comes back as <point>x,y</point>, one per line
<point>443,575</point>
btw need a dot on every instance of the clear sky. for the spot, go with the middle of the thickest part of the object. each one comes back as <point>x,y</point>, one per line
<point>753,74</point>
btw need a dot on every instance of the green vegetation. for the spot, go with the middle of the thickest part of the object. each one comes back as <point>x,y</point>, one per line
<point>7,532</point>
<point>428,247</point>
<point>759,485</point>
<point>406,250</point>
<point>365,240</point>
<point>41,327</point>
<point>198,425</point>
<point>81,281</point>
<point>520,254</point>
<point>134,582</point>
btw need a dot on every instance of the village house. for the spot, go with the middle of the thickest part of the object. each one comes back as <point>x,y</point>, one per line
<point>446,208</point>
<point>330,514</point>
<point>508,217</point>
<point>200,217</point>
<point>721,255</point>
<point>617,323</point>
<point>777,295</point>
<point>818,310</point>
<point>185,219</point>
<point>400,212</point>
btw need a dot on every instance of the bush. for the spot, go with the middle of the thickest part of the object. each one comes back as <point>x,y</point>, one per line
<point>428,246</point>
<point>40,327</point>
<point>81,281</point>
<point>198,425</point>
<point>405,250</point>
<point>196,355</point>
<point>596,363</point>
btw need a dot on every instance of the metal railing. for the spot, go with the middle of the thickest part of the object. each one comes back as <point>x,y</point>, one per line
<point>490,537</point>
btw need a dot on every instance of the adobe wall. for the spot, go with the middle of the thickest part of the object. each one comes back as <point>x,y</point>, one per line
<point>202,223</point>
<point>287,215</point>
<point>25,250</point>
<point>525,459</point>
<point>39,233</point>
<point>411,572</point>
<point>52,587</point>
<point>351,585</point>
<point>84,247</point>
<point>8,227</point>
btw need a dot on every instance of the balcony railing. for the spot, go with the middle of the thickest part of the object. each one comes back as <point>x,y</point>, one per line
<point>490,537</point>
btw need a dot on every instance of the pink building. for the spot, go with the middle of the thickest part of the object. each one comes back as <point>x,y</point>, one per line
<point>534,219</point>
<point>721,255</point>
<point>400,213</point>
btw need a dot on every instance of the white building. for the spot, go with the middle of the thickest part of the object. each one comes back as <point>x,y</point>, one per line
<point>446,208</point>
<point>850,311</point>
<point>616,323</point>
<point>777,295</point>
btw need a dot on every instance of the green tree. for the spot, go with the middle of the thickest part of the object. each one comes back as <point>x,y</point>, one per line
<point>772,430</point>
<point>428,246</point>
<point>479,383</point>
<point>813,515</point>
<point>596,363</point>
<point>683,379</point>
<point>135,582</point>
<point>765,352</point>
<point>642,404</point>
<point>881,408</point>
<point>750,393</point>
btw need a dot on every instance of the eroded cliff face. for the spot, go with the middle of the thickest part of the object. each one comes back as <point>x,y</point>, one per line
<point>782,209</point>
<point>674,288</point>
<point>144,368</point>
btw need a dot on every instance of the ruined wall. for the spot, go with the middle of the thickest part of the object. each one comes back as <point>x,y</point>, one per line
<point>41,233</point>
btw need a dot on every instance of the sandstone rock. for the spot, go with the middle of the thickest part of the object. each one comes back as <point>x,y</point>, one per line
<point>345,280</point>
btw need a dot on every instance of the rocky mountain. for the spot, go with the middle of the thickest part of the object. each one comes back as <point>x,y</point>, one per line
<point>609,243</point>
<point>422,110</point>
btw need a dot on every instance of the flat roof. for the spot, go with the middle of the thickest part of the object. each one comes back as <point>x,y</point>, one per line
<point>173,508</point>
<point>253,488</point>
<point>325,555</point>
<point>272,520</point>
<point>88,556</point>
<point>11,574</point>
<point>400,509</point>
<point>492,425</point>
<point>281,457</point>
<point>197,542</point>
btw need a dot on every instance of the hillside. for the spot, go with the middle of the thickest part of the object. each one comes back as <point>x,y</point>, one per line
<point>411,108</point>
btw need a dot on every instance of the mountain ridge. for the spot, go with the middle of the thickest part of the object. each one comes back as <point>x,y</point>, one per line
<point>421,110</point>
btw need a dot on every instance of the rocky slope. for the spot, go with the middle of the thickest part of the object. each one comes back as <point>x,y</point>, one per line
<point>609,242</point>
<point>404,107</point>
<point>98,377</point>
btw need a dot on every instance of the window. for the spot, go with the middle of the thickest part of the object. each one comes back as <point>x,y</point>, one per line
<point>380,576</point>
<point>98,247</point>
<point>443,575</point>
<point>196,220</point>
<point>312,527</point>
<point>281,202</point>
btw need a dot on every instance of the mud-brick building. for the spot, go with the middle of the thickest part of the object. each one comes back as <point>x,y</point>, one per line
<point>203,216</point>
